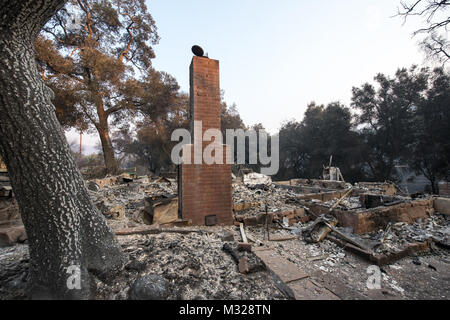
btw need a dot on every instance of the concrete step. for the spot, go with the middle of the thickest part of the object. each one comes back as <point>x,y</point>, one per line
<point>291,280</point>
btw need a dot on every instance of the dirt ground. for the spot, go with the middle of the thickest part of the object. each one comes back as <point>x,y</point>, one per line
<point>421,276</point>
<point>194,264</point>
<point>197,268</point>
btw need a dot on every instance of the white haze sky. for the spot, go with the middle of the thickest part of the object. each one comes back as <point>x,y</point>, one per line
<point>277,56</point>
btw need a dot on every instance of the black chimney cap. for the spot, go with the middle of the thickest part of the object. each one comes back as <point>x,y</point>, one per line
<point>198,51</point>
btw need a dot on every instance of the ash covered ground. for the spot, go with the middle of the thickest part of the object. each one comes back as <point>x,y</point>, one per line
<point>195,265</point>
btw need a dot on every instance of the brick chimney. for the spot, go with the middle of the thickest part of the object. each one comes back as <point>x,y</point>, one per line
<point>205,193</point>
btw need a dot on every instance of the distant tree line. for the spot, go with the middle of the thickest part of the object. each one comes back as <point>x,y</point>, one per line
<point>96,56</point>
<point>400,120</point>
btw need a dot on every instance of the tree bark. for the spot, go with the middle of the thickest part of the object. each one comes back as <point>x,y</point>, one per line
<point>108,150</point>
<point>434,185</point>
<point>105,139</point>
<point>64,227</point>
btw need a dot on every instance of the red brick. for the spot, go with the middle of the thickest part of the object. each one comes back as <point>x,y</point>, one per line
<point>206,190</point>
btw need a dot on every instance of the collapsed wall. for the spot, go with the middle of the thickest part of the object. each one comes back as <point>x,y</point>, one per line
<point>366,221</point>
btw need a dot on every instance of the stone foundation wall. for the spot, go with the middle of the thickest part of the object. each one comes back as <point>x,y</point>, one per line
<point>370,220</point>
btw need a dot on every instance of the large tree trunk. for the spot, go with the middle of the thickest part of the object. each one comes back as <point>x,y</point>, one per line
<point>434,185</point>
<point>108,150</point>
<point>64,228</point>
<point>105,139</point>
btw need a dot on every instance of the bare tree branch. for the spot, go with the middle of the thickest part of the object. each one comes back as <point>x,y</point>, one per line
<point>436,44</point>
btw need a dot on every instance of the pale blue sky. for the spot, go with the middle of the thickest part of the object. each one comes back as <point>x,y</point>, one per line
<point>277,56</point>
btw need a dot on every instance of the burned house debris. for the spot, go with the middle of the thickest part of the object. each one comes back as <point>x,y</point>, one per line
<point>5,185</point>
<point>297,239</point>
<point>204,233</point>
<point>332,173</point>
<point>11,228</point>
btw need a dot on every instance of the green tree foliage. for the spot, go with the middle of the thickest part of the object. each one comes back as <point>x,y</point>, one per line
<point>96,56</point>
<point>230,118</point>
<point>400,120</point>
<point>430,150</point>
<point>307,145</point>
<point>152,145</point>
<point>385,117</point>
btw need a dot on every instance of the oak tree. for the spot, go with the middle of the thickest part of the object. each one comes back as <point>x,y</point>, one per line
<point>324,131</point>
<point>96,56</point>
<point>385,116</point>
<point>65,231</point>
<point>430,149</point>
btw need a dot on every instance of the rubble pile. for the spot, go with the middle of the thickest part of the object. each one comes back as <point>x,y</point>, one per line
<point>123,204</point>
<point>11,230</point>
<point>5,183</point>
<point>307,234</point>
<point>386,188</point>
<point>14,264</point>
<point>400,278</point>
<point>9,211</point>
<point>349,203</point>
<point>436,228</point>
<point>256,180</point>
<point>194,265</point>
<point>275,198</point>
